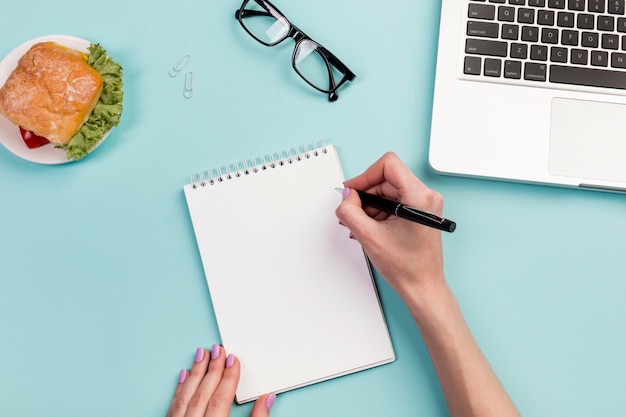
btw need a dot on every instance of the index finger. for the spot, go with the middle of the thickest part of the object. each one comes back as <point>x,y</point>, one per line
<point>388,177</point>
<point>223,396</point>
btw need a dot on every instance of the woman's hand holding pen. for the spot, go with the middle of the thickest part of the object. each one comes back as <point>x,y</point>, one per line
<point>408,255</point>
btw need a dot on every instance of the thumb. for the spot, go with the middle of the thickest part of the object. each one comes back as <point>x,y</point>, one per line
<point>351,214</point>
<point>263,405</point>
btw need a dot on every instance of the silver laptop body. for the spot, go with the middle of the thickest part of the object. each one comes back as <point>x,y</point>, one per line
<point>522,94</point>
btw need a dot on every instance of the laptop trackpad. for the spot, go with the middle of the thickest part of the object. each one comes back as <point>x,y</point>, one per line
<point>588,140</point>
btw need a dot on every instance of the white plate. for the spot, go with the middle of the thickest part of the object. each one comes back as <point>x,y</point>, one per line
<point>9,133</point>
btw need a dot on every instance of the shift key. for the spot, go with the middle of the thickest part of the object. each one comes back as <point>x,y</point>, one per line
<point>486,47</point>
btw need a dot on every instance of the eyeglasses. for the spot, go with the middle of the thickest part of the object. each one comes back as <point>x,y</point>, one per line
<point>314,63</point>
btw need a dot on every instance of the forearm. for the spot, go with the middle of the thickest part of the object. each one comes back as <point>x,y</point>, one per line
<point>470,386</point>
<point>410,257</point>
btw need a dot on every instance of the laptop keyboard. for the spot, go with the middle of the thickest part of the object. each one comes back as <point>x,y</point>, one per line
<point>547,42</point>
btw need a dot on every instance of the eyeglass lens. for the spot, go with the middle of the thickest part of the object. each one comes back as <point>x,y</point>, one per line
<point>266,26</point>
<point>313,67</point>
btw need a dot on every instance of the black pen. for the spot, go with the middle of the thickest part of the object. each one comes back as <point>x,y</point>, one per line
<point>405,212</point>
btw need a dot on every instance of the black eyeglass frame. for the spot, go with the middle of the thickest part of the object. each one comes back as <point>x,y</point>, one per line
<point>299,37</point>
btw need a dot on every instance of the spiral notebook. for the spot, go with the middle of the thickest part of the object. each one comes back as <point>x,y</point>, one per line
<point>293,296</point>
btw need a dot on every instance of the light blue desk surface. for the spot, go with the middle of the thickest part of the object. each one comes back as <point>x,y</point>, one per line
<point>102,294</point>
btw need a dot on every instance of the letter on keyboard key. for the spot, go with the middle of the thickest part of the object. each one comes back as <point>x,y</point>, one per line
<point>618,60</point>
<point>588,77</point>
<point>485,47</point>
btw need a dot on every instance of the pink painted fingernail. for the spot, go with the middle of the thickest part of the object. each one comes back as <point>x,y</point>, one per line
<point>351,235</point>
<point>270,401</point>
<point>345,193</point>
<point>230,360</point>
<point>215,351</point>
<point>183,376</point>
<point>199,355</point>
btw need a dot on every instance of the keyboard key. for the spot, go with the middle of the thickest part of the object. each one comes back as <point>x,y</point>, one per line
<point>545,17</point>
<point>576,5</point>
<point>513,69</point>
<point>537,3</point>
<point>579,56</point>
<point>517,2</point>
<point>618,60</point>
<point>539,53</point>
<point>569,37</point>
<point>482,29</point>
<point>558,54</point>
<point>481,11</point>
<point>472,65</point>
<point>596,6</point>
<point>506,14</point>
<point>621,24</point>
<point>519,50</point>
<point>615,6</point>
<point>550,36</point>
<point>599,58</point>
<point>565,19</point>
<point>526,16</point>
<point>589,39</point>
<point>510,32</point>
<point>588,77</point>
<point>535,72</point>
<point>585,21</point>
<point>606,23</point>
<point>610,41</point>
<point>530,33</point>
<point>556,4</point>
<point>486,47</point>
<point>493,67</point>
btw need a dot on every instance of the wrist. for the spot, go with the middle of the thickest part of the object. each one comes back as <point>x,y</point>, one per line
<point>433,307</point>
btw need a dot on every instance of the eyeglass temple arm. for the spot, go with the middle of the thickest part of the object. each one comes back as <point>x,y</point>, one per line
<point>332,95</point>
<point>240,14</point>
<point>331,60</point>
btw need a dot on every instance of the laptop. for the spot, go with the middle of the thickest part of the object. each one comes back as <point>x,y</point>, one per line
<point>532,91</point>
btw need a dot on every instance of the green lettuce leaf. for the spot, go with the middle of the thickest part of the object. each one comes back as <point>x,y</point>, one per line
<point>107,112</point>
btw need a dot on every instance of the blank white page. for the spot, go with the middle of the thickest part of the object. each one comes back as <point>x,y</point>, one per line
<point>293,295</point>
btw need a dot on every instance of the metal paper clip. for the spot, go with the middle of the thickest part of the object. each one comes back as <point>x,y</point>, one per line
<point>180,65</point>
<point>189,85</point>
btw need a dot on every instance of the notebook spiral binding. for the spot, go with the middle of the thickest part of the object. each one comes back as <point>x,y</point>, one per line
<point>254,165</point>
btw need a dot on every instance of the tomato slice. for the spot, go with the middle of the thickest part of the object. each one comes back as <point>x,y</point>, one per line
<point>31,140</point>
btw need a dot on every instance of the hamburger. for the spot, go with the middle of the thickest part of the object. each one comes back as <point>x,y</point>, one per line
<point>70,98</point>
